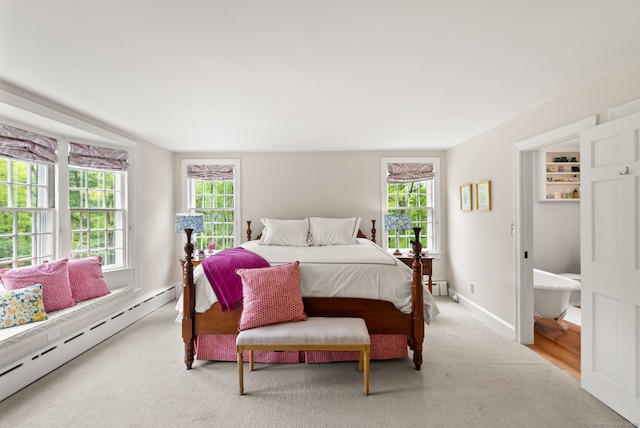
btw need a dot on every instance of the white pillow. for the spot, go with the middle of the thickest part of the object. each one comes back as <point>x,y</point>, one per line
<point>333,231</point>
<point>285,232</point>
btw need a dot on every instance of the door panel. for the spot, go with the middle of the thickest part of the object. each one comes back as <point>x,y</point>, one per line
<point>610,259</point>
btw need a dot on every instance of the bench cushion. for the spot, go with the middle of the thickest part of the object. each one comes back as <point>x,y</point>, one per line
<point>315,330</point>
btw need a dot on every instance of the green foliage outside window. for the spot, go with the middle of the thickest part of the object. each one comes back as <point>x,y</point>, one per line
<point>25,215</point>
<point>216,201</point>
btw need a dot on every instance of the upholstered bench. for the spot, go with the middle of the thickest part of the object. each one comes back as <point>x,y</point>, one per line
<point>314,334</point>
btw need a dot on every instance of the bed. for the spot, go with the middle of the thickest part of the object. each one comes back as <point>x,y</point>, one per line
<point>351,278</point>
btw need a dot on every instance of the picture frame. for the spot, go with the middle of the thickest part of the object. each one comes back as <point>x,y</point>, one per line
<point>466,197</point>
<point>483,195</point>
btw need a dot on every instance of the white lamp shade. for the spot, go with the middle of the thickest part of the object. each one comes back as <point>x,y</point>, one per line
<point>397,221</point>
<point>185,221</point>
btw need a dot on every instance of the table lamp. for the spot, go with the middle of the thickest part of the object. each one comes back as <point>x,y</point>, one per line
<point>397,222</point>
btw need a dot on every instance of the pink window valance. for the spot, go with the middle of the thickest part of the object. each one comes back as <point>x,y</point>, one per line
<point>409,172</point>
<point>96,157</point>
<point>28,146</point>
<point>210,172</point>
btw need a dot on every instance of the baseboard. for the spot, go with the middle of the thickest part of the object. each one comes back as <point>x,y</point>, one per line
<point>31,367</point>
<point>488,318</point>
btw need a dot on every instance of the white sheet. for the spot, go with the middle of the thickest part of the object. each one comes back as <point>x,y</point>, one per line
<point>364,270</point>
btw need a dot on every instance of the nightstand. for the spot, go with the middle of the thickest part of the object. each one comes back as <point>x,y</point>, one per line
<point>426,265</point>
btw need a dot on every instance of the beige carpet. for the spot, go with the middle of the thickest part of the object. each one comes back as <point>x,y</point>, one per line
<point>471,377</point>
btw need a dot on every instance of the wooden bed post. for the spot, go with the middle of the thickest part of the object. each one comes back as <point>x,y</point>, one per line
<point>373,230</point>
<point>417,293</point>
<point>188,303</point>
<point>249,230</point>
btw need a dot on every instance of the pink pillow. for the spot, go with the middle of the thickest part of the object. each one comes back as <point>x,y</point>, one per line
<point>86,279</point>
<point>54,277</point>
<point>271,295</point>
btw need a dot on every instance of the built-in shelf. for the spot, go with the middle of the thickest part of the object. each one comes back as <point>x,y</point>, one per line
<point>562,176</point>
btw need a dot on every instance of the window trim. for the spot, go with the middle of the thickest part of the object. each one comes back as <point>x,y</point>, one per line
<point>437,197</point>
<point>185,190</point>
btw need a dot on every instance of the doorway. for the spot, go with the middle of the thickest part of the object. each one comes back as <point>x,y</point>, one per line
<point>524,170</point>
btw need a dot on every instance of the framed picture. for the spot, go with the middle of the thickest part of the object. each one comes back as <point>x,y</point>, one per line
<point>465,197</point>
<point>483,195</point>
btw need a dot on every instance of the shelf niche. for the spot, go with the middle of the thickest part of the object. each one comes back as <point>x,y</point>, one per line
<point>560,175</point>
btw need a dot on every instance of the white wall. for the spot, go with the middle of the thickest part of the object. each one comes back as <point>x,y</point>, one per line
<point>481,248</point>
<point>556,246</point>
<point>158,264</point>
<point>299,184</point>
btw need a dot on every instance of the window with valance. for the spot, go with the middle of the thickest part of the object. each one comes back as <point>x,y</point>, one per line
<point>97,201</point>
<point>212,189</point>
<point>27,196</point>
<point>410,186</point>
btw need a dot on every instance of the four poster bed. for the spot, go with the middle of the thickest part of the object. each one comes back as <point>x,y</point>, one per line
<point>355,278</point>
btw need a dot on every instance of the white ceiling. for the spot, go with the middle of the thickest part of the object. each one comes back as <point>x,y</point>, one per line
<point>299,75</point>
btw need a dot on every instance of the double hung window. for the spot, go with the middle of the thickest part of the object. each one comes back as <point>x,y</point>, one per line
<point>410,186</point>
<point>26,212</point>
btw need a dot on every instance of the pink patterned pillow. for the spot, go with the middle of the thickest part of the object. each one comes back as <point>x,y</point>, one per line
<point>271,295</point>
<point>54,277</point>
<point>86,279</point>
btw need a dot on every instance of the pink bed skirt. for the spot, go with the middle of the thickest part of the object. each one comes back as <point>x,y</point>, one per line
<point>222,347</point>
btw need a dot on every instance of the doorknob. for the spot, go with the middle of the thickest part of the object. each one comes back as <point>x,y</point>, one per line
<point>626,171</point>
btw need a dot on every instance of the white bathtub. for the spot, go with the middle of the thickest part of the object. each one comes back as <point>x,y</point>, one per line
<point>551,294</point>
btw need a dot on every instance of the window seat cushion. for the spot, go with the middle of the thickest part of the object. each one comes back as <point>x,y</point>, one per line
<point>19,340</point>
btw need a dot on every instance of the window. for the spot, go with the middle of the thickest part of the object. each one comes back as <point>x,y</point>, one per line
<point>213,190</point>
<point>410,186</point>
<point>53,206</point>
<point>26,212</point>
<point>96,202</point>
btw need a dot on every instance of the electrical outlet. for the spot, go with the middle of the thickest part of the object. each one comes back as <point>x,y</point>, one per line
<point>472,287</point>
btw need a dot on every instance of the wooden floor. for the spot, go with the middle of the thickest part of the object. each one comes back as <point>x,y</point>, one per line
<point>560,347</point>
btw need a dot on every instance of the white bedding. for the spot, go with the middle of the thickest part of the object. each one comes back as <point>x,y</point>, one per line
<point>364,270</point>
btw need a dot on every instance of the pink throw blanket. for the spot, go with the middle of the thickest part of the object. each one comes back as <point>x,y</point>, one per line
<point>220,269</point>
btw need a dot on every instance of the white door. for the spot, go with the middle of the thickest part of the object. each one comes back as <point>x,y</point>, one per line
<point>610,258</point>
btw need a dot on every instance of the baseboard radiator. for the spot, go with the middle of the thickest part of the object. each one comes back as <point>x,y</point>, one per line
<point>31,367</point>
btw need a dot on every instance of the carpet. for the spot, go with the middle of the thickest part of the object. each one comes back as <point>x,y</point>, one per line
<point>471,377</point>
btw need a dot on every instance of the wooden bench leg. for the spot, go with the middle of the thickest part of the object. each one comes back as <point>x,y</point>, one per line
<point>240,372</point>
<point>366,371</point>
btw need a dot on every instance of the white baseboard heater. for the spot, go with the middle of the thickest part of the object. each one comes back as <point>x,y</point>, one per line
<point>31,367</point>
<point>439,288</point>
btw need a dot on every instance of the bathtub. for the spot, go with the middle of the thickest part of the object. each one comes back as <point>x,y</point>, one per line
<point>551,294</point>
